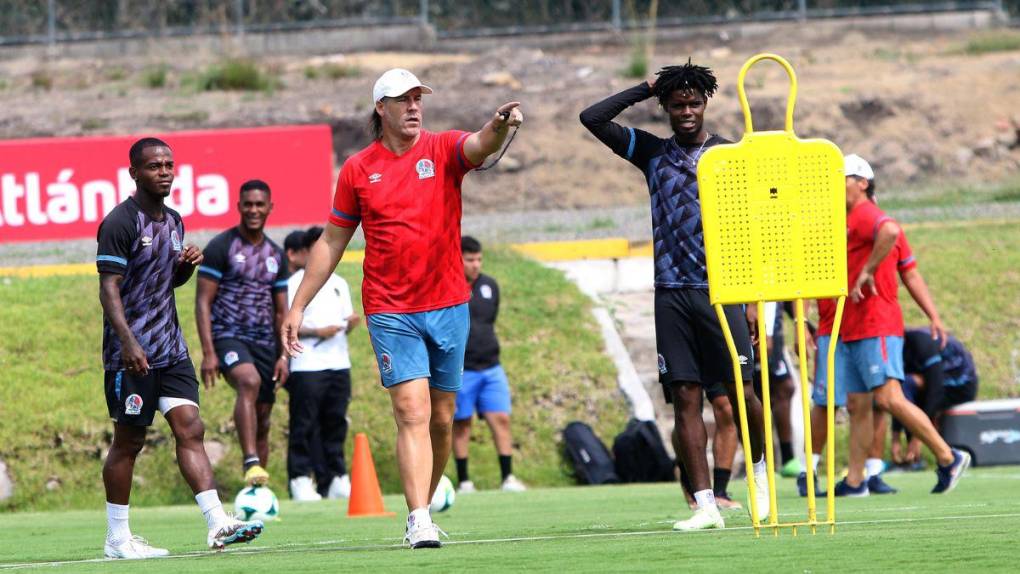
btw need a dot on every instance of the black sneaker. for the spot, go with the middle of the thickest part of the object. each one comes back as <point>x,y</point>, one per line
<point>802,486</point>
<point>949,475</point>
<point>844,489</point>
<point>878,486</point>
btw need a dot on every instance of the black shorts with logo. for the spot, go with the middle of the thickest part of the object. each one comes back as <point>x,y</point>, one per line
<point>134,400</point>
<point>234,352</point>
<point>690,341</point>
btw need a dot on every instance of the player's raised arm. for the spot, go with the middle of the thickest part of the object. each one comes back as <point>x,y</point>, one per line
<point>323,258</point>
<point>490,138</point>
<point>598,118</point>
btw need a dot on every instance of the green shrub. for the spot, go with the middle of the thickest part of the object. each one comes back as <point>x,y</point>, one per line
<point>236,75</point>
<point>989,42</point>
<point>41,79</point>
<point>155,76</point>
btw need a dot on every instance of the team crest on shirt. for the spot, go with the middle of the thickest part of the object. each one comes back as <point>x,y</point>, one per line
<point>386,363</point>
<point>272,265</point>
<point>146,241</point>
<point>662,365</point>
<point>175,240</point>
<point>230,358</point>
<point>239,258</point>
<point>486,291</point>
<point>425,169</point>
<point>133,404</point>
<point>375,178</point>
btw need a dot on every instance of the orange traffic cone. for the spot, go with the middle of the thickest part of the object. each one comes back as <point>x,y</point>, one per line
<point>366,498</point>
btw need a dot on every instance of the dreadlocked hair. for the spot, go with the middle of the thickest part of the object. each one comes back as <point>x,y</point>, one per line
<point>688,77</point>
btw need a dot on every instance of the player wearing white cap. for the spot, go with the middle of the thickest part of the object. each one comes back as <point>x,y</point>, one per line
<point>869,351</point>
<point>404,189</point>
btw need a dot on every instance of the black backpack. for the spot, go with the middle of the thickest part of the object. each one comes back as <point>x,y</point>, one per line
<point>588,458</point>
<point>640,454</point>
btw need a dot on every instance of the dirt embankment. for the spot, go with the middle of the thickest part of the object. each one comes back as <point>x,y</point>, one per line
<point>916,107</point>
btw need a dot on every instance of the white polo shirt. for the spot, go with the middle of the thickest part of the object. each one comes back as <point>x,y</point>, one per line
<point>332,305</point>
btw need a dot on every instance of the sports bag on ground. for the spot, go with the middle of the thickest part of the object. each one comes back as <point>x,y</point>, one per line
<point>588,458</point>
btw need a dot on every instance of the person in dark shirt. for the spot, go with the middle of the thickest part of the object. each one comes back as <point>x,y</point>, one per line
<point>485,388</point>
<point>239,305</point>
<point>688,335</point>
<point>936,379</point>
<point>141,259</point>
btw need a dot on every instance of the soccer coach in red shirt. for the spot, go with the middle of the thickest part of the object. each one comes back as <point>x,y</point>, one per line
<point>405,191</point>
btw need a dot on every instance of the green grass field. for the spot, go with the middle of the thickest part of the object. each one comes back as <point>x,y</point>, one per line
<point>579,529</point>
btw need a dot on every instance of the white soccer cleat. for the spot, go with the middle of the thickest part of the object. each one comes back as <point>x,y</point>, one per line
<point>233,531</point>
<point>302,489</point>
<point>761,496</point>
<point>466,487</point>
<point>703,519</point>
<point>340,487</point>
<point>422,534</point>
<point>513,484</point>
<point>134,548</point>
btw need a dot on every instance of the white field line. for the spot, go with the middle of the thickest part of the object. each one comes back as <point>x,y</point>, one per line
<point>310,547</point>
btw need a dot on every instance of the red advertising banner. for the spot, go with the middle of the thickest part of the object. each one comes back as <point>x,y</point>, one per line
<point>61,188</point>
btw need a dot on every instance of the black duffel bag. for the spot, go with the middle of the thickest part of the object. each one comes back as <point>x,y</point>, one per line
<point>588,458</point>
<point>640,455</point>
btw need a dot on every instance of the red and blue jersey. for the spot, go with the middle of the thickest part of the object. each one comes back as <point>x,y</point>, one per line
<point>877,315</point>
<point>409,207</point>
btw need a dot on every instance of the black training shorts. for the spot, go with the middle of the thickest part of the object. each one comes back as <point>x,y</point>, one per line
<point>690,341</point>
<point>234,352</point>
<point>133,400</point>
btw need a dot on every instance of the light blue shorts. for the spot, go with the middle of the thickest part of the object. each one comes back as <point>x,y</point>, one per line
<point>429,344</point>
<point>486,391</point>
<point>861,366</point>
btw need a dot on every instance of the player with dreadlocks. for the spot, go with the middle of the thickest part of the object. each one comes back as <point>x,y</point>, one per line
<point>688,336</point>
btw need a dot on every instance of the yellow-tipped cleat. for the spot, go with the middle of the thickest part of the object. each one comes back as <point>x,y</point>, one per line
<point>256,476</point>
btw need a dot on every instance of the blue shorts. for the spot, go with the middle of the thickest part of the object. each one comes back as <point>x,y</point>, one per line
<point>429,344</point>
<point>861,366</point>
<point>486,391</point>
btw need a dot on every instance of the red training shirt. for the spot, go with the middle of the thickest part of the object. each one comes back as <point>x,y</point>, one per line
<point>409,207</point>
<point>877,315</point>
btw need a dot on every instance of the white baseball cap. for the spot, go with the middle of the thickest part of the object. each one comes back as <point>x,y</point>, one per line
<point>397,82</point>
<point>854,164</point>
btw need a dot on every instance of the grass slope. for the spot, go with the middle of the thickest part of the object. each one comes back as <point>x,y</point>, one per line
<point>54,428</point>
<point>580,529</point>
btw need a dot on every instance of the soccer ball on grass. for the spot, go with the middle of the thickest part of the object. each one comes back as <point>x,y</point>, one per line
<point>256,503</point>
<point>445,494</point>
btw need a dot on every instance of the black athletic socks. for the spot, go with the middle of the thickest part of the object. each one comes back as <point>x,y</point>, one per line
<point>785,451</point>
<point>462,469</point>
<point>250,460</point>
<point>720,481</point>
<point>505,466</point>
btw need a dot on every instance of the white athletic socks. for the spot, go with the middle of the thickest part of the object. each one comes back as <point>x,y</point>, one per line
<point>209,503</point>
<point>760,468</point>
<point>705,498</point>
<point>873,467</point>
<point>419,516</point>
<point>815,457</point>
<point>117,529</point>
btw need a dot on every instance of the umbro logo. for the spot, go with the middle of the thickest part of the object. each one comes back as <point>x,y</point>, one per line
<point>375,178</point>
<point>146,241</point>
<point>742,359</point>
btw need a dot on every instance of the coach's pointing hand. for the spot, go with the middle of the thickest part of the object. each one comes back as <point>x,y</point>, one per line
<point>289,332</point>
<point>508,114</point>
